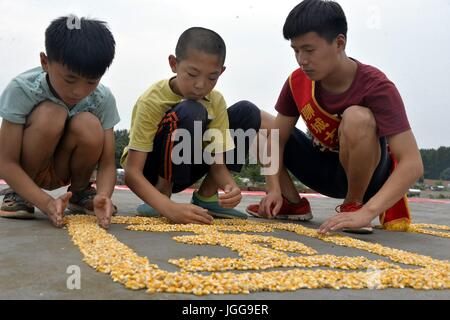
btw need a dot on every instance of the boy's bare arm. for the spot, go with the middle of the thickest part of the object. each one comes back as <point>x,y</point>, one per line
<point>106,176</point>
<point>106,179</point>
<point>285,125</point>
<point>11,138</point>
<point>271,203</point>
<point>220,173</point>
<point>408,171</point>
<point>232,193</point>
<point>135,179</point>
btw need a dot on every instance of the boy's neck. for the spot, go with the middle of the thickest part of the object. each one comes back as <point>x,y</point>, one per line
<point>342,77</point>
<point>173,84</point>
<point>52,90</point>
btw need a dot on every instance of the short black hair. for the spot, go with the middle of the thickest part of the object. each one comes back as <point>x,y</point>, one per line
<point>324,17</point>
<point>84,46</point>
<point>201,39</point>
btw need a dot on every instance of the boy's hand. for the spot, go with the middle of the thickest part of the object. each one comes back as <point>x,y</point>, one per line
<point>55,209</point>
<point>270,205</point>
<point>187,213</point>
<point>103,209</point>
<point>357,219</point>
<point>231,197</point>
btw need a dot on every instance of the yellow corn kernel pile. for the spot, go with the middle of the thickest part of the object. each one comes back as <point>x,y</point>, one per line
<point>225,264</point>
<point>424,228</point>
<point>106,254</point>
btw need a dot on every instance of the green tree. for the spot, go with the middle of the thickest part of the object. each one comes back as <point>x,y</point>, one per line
<point>252,172</point>
<point>122,139</point>
<point>445,175</point>
<point>435,161</point>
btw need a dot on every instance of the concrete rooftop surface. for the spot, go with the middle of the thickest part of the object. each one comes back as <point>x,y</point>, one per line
<point>35,257</point>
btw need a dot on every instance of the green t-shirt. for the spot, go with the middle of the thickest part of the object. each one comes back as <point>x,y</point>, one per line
<point>30,88</point>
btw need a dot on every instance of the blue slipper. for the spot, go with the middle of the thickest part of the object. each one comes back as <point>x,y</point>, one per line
<point>216,210</point>
<point>146,211</point>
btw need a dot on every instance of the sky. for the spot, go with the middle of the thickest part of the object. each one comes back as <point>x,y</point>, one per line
<point>409,40</point>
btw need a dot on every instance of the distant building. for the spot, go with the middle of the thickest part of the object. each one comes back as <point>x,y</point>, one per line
<point>431,182</point>
<point>414,192</point>
<point>120,175</point>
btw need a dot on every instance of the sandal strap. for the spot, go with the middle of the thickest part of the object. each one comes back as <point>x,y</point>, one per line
<point>13,197</point>
<point>84,195</point>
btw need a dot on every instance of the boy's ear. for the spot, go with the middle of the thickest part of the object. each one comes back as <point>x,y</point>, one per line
<point>341,42</point>
<point>223,70</point>
<point>173,63</point>
<point>44,61</point>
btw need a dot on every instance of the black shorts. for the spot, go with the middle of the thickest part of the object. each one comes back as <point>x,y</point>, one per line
<point>322,170</point>
<point>242,115</point>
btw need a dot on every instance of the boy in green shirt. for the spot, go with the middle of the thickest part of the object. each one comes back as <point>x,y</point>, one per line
<point>188,102</point>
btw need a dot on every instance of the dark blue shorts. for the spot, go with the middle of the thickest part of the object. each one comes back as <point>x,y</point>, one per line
<point>242,115</point>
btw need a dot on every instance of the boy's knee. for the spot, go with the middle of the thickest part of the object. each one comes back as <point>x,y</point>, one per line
<point>87,127</point>
<point>245,107</point>
<point>190,111</point>
<point>49,118</point>
<point>357,123</point>
<point>244,115</point>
